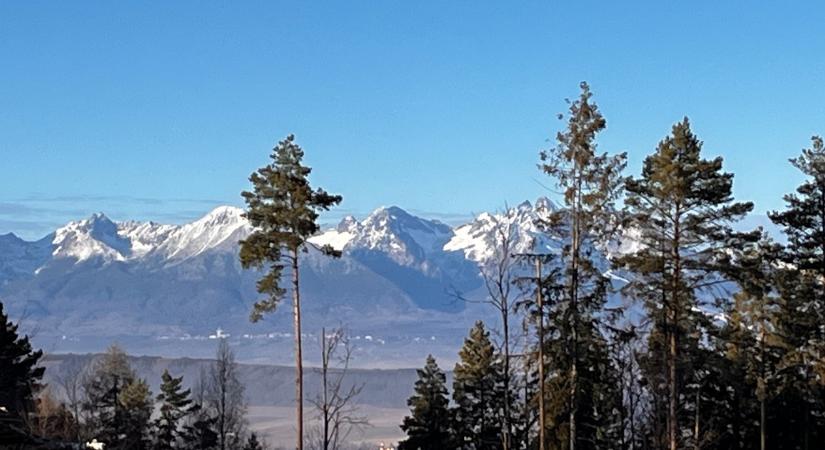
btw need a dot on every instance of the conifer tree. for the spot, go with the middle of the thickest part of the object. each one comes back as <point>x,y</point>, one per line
<point>103,385</point>
<point>428,426</point>
<point>283,209</point>
<point>19,372</point>
<point>136,403</point>
<point>755,343</point>
<point>590,183</point>
<point>478,393</point>
<point>252,443</point>
<point>175,406</point>
<point>802,308</point>
<point>682,208</point>
<point>200,433</point>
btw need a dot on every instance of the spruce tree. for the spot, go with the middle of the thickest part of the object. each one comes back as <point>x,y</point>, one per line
<point>802,308</point>
<point>428,426</point>
<point>175,406</point>
<point>19,373</point>
<point>682,209</point>
<point>478,393</point>
<point>283,209</point>
<point>590,183</point>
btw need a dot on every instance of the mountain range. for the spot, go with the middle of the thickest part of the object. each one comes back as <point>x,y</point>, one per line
<point>165,289</point>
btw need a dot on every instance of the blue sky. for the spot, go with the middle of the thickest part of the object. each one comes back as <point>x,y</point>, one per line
<point>160,110</point>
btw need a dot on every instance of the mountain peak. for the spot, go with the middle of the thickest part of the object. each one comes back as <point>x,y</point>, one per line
<point>223,214</point>
<point>95,236</point>
<point>347,224</point>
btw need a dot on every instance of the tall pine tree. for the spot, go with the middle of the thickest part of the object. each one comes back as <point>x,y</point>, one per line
<point>283,209</point>
<point>590,183</point>
<point>682,209</point>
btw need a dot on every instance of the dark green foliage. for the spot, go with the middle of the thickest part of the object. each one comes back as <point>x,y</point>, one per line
<point>175,406</point>
<point>478,393</point>
<point>19,378</point>
<point>800,405</point>
<point>283,208</point>
<point>428,426</point>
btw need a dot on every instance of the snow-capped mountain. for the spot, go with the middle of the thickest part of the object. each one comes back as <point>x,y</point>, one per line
<point>480,239</point>
<point>398,275</point>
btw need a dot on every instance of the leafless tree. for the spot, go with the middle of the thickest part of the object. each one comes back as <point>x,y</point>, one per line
<point>70,379</point>
<point>335,403</point>
<point>224,396</point>
<point>500,276</point>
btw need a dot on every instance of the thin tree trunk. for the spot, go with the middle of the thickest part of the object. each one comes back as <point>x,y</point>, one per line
<point>673,401</point>
<point>540,303</point>
<point>299,365</point>
<point>696,422</point>
<point>324,368</point>
<point>505,313</point>
<point>763,386</point>
<point>672,422</point>
<point>574,306</point>
<point>762,424</point>
<point>632,401</point>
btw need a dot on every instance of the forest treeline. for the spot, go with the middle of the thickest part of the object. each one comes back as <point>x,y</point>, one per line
<point>718,342</point>
<point>730,350</point>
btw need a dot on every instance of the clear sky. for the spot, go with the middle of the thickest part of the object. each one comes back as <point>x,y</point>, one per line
<point>160,110</point>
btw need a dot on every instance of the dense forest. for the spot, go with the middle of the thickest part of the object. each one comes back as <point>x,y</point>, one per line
<point>718,342</point>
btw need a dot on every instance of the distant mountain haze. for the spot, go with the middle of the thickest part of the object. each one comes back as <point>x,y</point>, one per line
<point>164,290</point>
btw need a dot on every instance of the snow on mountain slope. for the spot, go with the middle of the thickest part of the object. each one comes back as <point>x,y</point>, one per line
<point>95,237</point>
<point>145,236</point>
<point>222,228</point>
<point>97,280</point>
<point>480,239</point>
<point>340,236</point>
<point>406,239</point>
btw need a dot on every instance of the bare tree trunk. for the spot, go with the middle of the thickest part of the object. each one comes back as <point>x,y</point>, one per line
<point>324,371</point>
<point>506,325</point>
<point>672,422</point>
<point>696,421</point>
<point>299,365</point>
<point>574,306</point>
<point>762,424</point>
<point>540,303</point>
<point>674,326</point>
<point>632,401</point>
<point>574,374</point>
